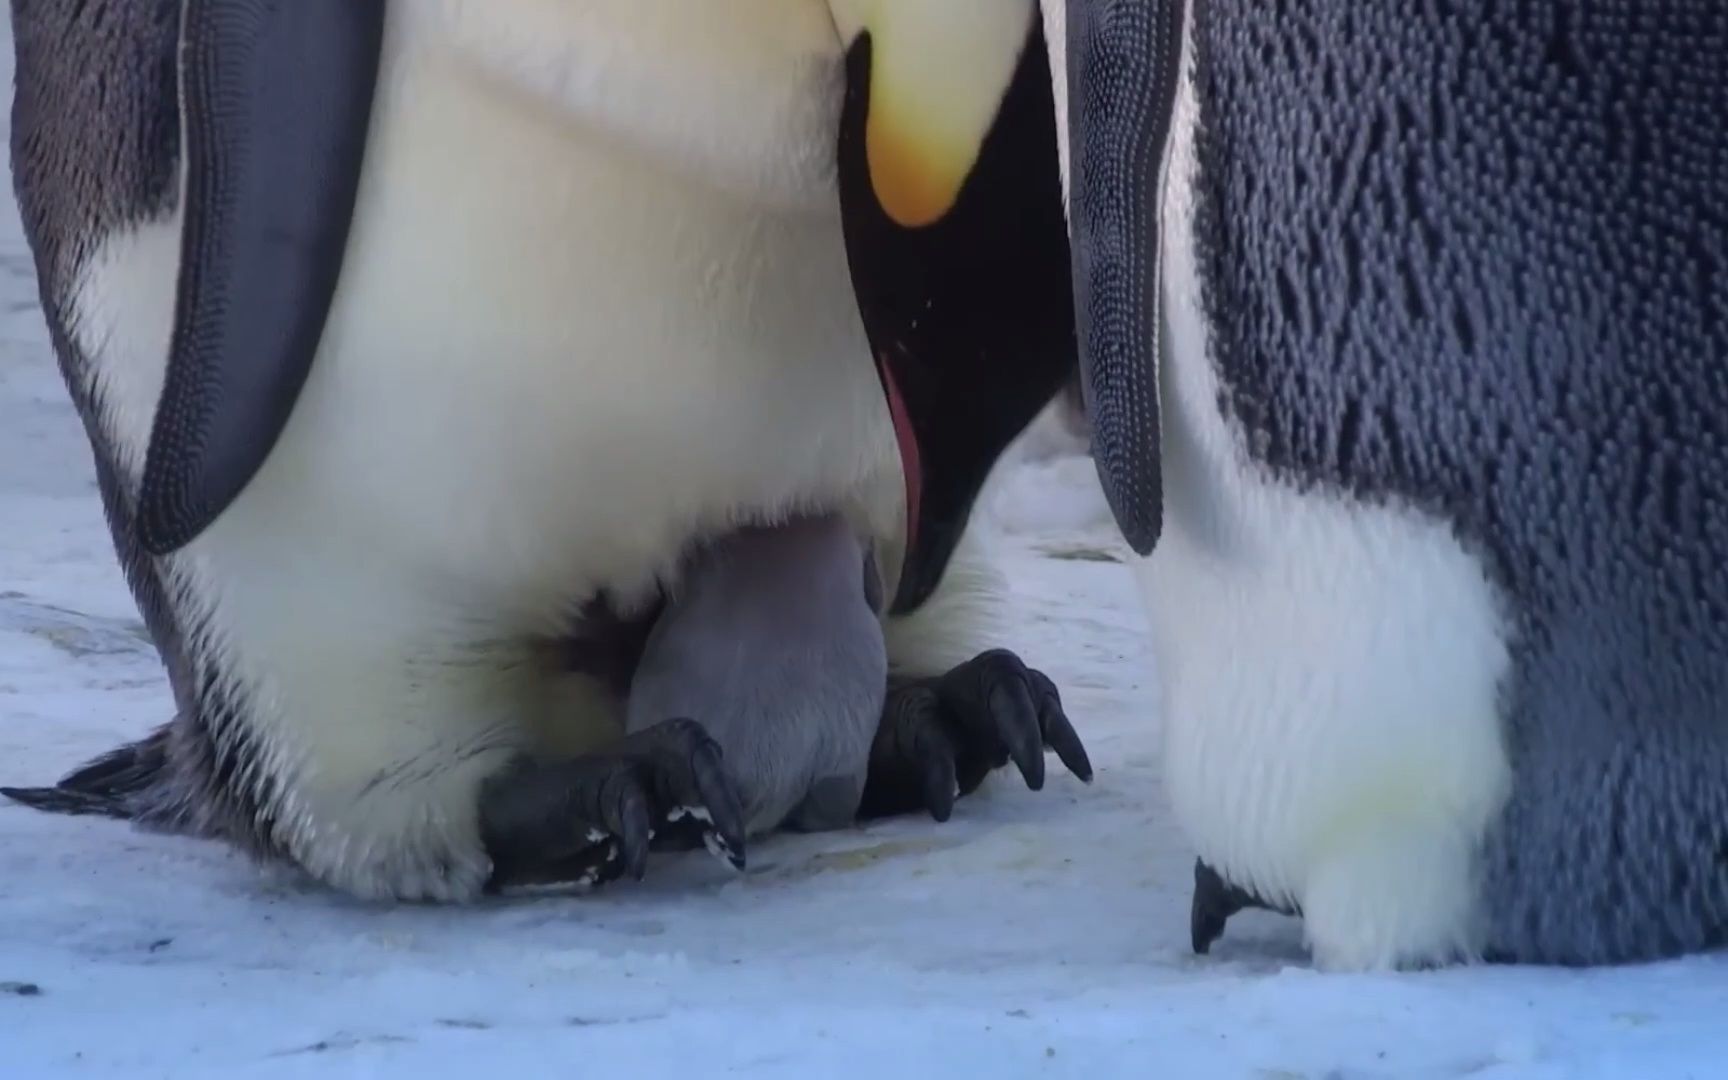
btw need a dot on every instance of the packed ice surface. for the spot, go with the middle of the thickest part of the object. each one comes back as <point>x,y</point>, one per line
<point>1033,935</point>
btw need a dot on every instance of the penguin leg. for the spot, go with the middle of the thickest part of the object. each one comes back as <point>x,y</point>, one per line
<point>593,819</point>
<point>940,736</point>
<point>772,639</point>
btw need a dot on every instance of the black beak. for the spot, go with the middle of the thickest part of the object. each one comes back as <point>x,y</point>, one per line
<point>970,317</point>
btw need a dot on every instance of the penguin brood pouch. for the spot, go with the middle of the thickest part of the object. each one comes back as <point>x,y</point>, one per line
<point>1405,336</point>
<point>507,432</point>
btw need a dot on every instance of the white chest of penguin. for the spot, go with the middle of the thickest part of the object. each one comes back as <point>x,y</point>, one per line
<point>584,319</point>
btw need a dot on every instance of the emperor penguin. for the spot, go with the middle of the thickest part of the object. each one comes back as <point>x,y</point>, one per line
<point>1404,333</point>
<point>538,432</point>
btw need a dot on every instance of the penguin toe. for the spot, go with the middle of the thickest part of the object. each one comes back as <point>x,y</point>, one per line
<point>940,737</point>
<point>1001,711</point>
<point>591,820</point>
<point>694,799</point>
<point>912,760</point>
<point>1210,909</point>
<point>1215,901</point>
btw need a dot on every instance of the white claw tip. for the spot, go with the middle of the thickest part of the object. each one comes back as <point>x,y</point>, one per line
<point>700,813</point>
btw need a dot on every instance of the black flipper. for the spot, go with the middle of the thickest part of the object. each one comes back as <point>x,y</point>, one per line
<point>107,786</point>
<point>277,100</point>
<point>1123,61</point>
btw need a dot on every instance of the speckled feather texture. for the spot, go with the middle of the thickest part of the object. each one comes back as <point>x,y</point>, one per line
<point>1473,257</point>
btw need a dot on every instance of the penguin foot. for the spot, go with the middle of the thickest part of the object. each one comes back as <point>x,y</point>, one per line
<point>939,737</point>
<point>1215,900</point>
<point>594,819</point>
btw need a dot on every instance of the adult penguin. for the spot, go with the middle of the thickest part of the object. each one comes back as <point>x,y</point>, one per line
<point>488,430</point>
<point>1404,331</point>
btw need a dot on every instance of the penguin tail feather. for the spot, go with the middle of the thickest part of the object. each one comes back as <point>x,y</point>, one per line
<point>108,786</point>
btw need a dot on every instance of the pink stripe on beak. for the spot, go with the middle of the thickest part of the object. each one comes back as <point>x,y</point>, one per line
<point>908,440</point>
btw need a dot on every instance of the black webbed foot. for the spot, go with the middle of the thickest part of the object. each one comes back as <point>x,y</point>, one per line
<point>941,736</point>
<point>594,819</point>
<point>1215,901</point>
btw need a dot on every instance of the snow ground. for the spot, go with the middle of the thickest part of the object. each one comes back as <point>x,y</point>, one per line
<point>1033,935</point>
